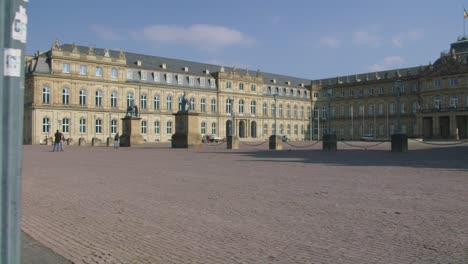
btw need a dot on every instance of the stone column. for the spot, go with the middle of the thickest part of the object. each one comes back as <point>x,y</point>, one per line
<point>435,126</point>
<point>453,126</point>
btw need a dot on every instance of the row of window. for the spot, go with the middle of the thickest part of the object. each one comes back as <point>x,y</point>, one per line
<point>84,70</point>
<point>157,102</point>
<point>285,92</point>
<point>241,87</point>
<point>361,110</point>
<point>168,78</point>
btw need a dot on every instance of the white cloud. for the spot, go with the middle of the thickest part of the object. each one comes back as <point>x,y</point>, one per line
<point>389,62</point>
<point>366,38</point>
<point>202,36</point>
<point>330,42</point>
<point>105,33</point>
<point>410,36</point>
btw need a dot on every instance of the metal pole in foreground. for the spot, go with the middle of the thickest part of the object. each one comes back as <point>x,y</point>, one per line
<point>12,41</point>
<point>398,84</point>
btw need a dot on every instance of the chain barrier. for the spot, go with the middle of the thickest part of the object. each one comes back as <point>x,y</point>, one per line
<point>254,145</point>
<point>307,146</point>
<point>363,147</point>
<point>441,144</point>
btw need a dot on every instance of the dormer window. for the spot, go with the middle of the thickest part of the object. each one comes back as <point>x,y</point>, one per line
<point>207,71</point>
<point>273,81</point>
<point>191,80</point>
<point>168,78</point>
<point>288,83</point>
<point>129,74</point>
<point>163,66</point>
<point>212,83</point>
<point>180,79</point>
<point>202,81</point>
<point>156,76</point>
<point>185,69</point>
<point>138,62</point>
<point>144,75</point>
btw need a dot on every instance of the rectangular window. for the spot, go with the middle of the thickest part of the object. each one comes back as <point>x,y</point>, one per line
<point>82,126</point>
<point>168,78</point>
<point>213,105</point>
<point>45,125</point>
<point>453,82</point>
<point>202,81</point>
<point>143,127</point>
<point>156,127</point>
<point>436,83</point>
<point>143,104</point>
<point>83,70</point>
<point>113,126</point>
<point>156,102</point>
<point>213,128</point>
<point>253,88</point>
<point>66,68</point>
<point>130,74</point>
<point>414,88</point>
<point>144,75</point>
<point>212,83</point>
<point>241,86</point>
<point>99,71</point>
<point>98,126</point>
<point>114,73</point>
<point>169,127</point>
<point>191,80</point>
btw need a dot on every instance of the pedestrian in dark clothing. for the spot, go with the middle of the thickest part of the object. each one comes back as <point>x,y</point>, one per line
<point>116,140</point>
<point>58,138</point>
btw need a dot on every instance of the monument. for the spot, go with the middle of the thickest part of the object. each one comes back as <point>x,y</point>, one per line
<point>187,127</point>
<point>131,128</point>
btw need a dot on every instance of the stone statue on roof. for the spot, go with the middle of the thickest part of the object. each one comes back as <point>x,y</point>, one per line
<point>90,50</point>
<point>106,52</point>
<point>74,48</point>
<point>56,45</point>
<point>121,55</point>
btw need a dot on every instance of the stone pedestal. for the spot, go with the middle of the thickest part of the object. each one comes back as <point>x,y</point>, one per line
<point>399,143</point>
<point>109,141</point>
<point>329,142</point>
<point>70,142</point>
<point>187,130</point>
<point>275,142</point>
<point>131,132</point>
<point>94,141</point>
<point>232,142</point>
<point>81,141</point>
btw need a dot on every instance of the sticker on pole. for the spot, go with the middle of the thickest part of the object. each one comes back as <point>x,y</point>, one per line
<point>12,62</point>
<point>19,27</point>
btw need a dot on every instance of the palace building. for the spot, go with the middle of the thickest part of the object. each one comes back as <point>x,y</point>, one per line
<point>85,92</point>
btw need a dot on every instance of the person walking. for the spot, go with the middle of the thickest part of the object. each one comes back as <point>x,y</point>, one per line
<point>62,139</point>
<point>116,140</point>
<point>57,139</point>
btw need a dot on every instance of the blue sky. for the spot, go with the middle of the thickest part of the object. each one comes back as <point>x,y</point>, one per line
<point>308,39</point>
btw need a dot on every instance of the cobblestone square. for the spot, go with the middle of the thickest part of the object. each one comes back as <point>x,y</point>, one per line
<point>154,204</point>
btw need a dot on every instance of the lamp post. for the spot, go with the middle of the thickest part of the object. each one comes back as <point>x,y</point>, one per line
<point>329,94</point>
<point>275,97</point>
<point>398,84</point>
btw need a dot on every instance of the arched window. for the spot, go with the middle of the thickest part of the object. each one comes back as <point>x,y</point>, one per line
<point>203,105</point>
<point>82,126</point>
<point>180,103</point>
<point>281,129</point>
<point>213,105</point>
<point>65,96</point>
<point>265,109</point>
<point>288,129</point>
<point>295,130</point>
<point>295,111</point>
<point>156,102</point>
<point>253,107</point>
<point>113,126</point>
<point>213,128</point>
<point>98,126</point>
<point>143,101</point>
<point>114,99</point>
<point>46,95</point>
<point>82,97</point>
<point>281,109</point>
<point>241,106</point>
<point>129,99</point>
<point>192,104</point>
<point>98,98</point>
<point>228,85</point>
<point>288,111</point>
<point>203,128</point>
<point>169,127</point>
<point>169,103</point>
<point>241,86</point>
<point>228,106</point>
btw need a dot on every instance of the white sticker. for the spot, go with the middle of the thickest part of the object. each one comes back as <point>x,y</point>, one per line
<point>12,62</point>
<point>20,25</point>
